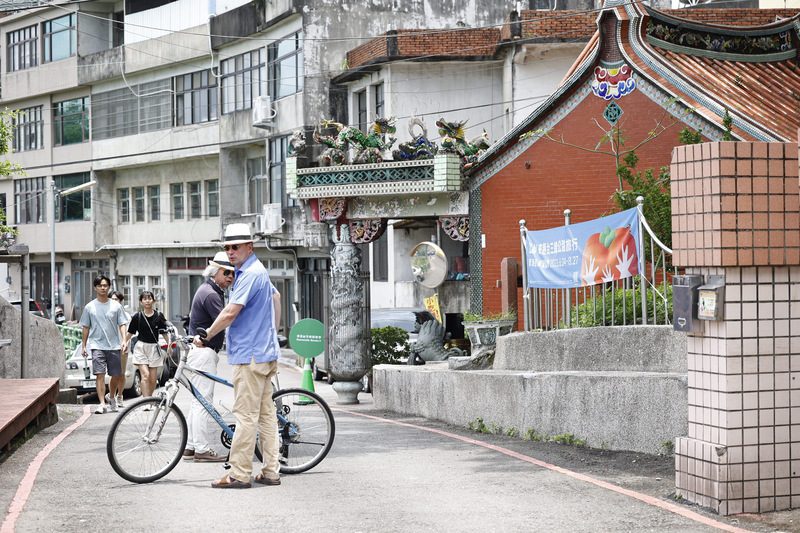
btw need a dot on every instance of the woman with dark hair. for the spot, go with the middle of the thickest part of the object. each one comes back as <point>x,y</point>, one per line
<point>147,356</point>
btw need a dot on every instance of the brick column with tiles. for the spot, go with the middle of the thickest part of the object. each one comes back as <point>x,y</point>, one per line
<point>736,213</point>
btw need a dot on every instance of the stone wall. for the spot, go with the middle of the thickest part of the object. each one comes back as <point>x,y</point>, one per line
<point>45,353</point>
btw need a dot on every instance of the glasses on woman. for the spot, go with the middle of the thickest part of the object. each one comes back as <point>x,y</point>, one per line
<point>228,273</point>
<point>233,247</point>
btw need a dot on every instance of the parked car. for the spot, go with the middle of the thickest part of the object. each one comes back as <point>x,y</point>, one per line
<point>77,376</point>
<point>36,307</point>
<point>409,319</point>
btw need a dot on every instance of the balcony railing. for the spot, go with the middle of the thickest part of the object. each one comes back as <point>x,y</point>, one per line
<point>441,174</point>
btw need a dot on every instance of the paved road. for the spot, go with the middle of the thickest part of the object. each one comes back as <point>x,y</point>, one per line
<point>381,475</point>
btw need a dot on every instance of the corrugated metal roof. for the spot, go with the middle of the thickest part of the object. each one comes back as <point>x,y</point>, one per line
<point>767,92</point>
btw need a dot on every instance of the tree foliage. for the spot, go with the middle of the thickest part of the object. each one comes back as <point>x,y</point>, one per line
<point>389,345</point>
<point>7,168</point>
<point>654,188</point>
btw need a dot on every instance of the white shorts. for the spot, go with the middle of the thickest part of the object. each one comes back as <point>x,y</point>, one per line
<point>145,353</point>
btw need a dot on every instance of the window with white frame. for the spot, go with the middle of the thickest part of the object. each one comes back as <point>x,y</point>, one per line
<point>176,191</point>
<point>114,114</point>
<point>155,105</point>
<point>380,106</point>
<point>123,206</point>
<point>195,199</point>
<point>77,205</point>
<point>212,198</point>
<point>286,66</point>
<point>123,285</point>
<point>154,195</point>
<point>243,78</point>
<point>121,112</point>
<point>29,200</point>
<point>258,185</point>
<point>277,172</point>
<point>138,204</point>
<point>22,47</point>
<point>195,98</point>
<point>361,110</point>
<point>71,121</point>
<point>28,128</point>
<point>141,285</point>
<point>60,38</point>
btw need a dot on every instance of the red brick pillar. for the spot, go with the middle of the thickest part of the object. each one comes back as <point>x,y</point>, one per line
<point>736,213</point>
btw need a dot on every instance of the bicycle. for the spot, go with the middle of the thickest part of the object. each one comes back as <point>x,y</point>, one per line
<point>147,439</point>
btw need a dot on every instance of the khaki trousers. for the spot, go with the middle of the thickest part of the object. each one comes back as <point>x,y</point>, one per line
<point>255,413</point>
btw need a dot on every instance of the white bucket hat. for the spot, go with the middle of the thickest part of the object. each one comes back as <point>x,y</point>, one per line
<point>221,261</point>
<point>237,234</point>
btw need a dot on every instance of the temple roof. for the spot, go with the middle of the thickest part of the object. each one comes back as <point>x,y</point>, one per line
<point>710,60</point>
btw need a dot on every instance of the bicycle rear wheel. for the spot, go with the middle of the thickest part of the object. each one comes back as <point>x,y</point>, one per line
<point>306,429</point>
<point>137,450</point>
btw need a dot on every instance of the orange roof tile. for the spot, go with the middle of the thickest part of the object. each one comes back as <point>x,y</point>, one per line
<point>767,92</point>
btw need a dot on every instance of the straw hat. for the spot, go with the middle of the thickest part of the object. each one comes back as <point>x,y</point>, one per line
<point>237,234</point>
<point>221,261</point>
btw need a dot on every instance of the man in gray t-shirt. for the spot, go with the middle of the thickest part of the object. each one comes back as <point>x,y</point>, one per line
<point>104,322</point>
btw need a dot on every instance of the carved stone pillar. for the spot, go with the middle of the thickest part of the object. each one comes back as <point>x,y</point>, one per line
<point>349,334</point>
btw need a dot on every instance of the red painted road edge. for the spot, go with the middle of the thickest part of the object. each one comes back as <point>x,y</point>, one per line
<point>650,500</point>
<point>26,485</point>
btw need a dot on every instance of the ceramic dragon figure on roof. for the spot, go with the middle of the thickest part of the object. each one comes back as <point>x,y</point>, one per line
<point>419,147</point>
<point>454,141</point>
<point>369,147</point>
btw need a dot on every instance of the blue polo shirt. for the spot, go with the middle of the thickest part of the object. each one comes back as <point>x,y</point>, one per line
<point>252,336</point>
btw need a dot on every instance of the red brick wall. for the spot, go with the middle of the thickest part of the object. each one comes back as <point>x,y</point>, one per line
<point>420,43</point>
<point>561,177</point>
<point>557,25</point>
<point>469,42</point>
<point>368,51</point>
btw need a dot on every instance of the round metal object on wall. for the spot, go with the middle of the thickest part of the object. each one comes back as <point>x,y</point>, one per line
<point>428,264</point>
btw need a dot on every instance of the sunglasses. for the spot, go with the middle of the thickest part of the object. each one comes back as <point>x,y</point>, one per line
<point>233,247</point>
<point>228,273</point>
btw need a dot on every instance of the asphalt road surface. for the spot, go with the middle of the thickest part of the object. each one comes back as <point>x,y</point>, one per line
<point>384,473</point>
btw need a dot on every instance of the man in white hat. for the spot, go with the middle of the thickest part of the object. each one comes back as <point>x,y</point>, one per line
<point>252,314</point>
<point>207,303</point>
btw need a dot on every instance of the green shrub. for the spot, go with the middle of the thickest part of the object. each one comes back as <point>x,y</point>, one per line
<point>389,345</point>
<point>591,312</point>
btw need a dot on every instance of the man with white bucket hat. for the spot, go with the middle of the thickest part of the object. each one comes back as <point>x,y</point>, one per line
<point>207,303</point>
<point>251,315</point>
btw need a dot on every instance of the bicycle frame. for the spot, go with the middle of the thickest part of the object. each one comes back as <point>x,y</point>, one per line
<point>180,378</point>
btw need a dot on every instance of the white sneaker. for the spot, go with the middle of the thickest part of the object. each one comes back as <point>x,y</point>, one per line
<point>112,403</point>
<point>119,402</point>
<point>100,409</point>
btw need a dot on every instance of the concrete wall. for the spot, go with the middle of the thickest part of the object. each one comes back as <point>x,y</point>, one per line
<point>616,396</point>
<point>45,353</point>
<point>624,348</point>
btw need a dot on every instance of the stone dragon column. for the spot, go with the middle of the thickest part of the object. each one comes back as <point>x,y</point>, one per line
<point>348,350</point>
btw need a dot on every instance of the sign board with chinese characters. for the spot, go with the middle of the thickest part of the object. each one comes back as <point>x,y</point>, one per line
<point>307,338</point>
<point>584,254</point>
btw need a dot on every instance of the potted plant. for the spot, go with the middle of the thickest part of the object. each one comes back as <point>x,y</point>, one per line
<point>483,330</point>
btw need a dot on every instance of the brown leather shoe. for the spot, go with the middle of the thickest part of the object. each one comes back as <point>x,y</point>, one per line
<point>209,457</point>
<point>229,483</point>
<point>188,453</point>
<point>261,479</point>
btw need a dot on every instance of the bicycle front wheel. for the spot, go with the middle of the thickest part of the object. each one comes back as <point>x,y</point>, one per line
<point>146,440</point>
<point>306,429</point>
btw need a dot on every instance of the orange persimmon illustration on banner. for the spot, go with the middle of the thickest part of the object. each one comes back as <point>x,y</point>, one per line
<point>584,254</point>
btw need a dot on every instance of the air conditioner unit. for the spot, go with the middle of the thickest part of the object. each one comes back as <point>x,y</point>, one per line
<point>270,221</point>
<point>263,114</point>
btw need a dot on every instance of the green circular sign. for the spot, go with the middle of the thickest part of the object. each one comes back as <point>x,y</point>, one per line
<point>307,338</point>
